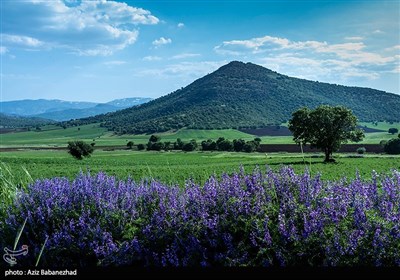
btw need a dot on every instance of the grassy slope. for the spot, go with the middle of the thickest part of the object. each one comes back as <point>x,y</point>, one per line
<point>175,167</point>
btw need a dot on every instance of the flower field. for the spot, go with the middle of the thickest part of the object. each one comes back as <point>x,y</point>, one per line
<point>266,218</point>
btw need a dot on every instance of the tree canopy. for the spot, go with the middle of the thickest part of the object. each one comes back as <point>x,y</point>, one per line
<point>79,149</point>
<point>325,128</point>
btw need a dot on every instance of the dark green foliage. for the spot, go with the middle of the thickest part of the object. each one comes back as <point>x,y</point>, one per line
<point>167,145</point>
<point>393,130</point>
<point>246,95</point>
<point>208,145</point>
<point>141,147</point>
<point>130,144</point>
<point>154,138</point>
<point>392,146</point>
<point>361,150</point>
<point>191,146</point>
<point>20,122</point>
<point>154,143</point>
<point>249,147</point>
<point>224,144</point>
<point>79,149</point>
<point>383,143</point>
<point>325,128</point>
<point>238,145</point>
<point>178,144</point>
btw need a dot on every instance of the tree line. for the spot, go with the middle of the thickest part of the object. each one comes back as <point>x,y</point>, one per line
<point>221,144</point>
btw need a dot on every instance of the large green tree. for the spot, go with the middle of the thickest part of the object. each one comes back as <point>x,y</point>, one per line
<point>79,149</point>
<point>325,128</point>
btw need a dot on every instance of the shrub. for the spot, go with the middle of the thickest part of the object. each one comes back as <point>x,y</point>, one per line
<point>79,149</point>
<point>130,144</point>
<point>361,150</point>
<point>141,147</point>
<point>392,146</point>
<point>393,130</point>
<point>191,146</point>
<point>262,219</point>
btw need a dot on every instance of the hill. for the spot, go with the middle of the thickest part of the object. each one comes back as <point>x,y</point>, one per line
<point>245,95</point>
<point>60,110</point>
<point>7,121</point>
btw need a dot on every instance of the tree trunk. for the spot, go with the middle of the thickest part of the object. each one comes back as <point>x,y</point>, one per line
<point>328,153</point>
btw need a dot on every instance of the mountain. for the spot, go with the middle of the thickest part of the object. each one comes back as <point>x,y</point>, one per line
<point>29,107</point>
<point>60,110</point>
<point>240,95</point>
<point>7,121</point>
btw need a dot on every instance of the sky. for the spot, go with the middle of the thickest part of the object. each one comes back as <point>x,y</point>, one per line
<point>103,50</point>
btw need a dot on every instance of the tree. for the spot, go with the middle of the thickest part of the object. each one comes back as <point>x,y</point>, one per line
<point>178,144</point>
<point>325,128</point>
<point>154,138</point>
<point>224,145</point>
<point>130,144</point>
<point>79,149</point>
<point>392,146</point>
<point>208,145</point>
<point>141,147</point>
<point>250,146</point>
<point>393,130</point>
<point>238,145</point>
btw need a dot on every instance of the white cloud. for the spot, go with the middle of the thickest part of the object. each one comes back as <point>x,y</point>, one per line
<point>152,58</point>
<point>315,60</point>
<point>181,25</point>
<point>394,48</point>
<point>3,50</point>
<point>185,55</point>
<point>354,38</point>
<point>24,41</point>
<point>185,70</point>
<point>90,28</point>
<point>378,31</point>
<point>162,41</point>
<point>114,62</point>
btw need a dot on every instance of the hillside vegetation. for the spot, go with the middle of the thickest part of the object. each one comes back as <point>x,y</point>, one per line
<point>245,95</point>
<point>18,122</point>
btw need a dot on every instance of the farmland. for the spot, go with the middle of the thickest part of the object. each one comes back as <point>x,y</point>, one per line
<point>176,167</point>
<point>54,136</point>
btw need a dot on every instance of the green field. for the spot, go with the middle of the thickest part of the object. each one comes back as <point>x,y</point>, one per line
<point>54,136</point>
<point>176,167</point>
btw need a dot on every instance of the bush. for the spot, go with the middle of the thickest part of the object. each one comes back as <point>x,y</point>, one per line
<point>393,130</point>
<point>130,144</point>
<point>191,146</point>
<point>262,219</point>
<point>141,147</point>
<point>361,150</point>
<point>382,143</point>
<point>208,145</point>
<point>392,146</point>
<point>79,149</point>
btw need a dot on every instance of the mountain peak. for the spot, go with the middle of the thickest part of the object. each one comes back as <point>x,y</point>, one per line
<point>242,94</point>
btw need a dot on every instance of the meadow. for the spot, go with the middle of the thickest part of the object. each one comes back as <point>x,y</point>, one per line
<point>54,136</point>
<point>176,167</point>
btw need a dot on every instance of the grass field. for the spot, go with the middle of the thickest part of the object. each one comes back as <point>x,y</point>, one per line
<point>53,136</point>
<point>176,167</point>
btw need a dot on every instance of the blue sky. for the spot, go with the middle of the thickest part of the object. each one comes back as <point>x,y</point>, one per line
<point>103,50</point>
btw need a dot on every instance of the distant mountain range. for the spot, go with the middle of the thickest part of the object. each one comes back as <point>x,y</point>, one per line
<point>60,110</point>
<point>245,95</point>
